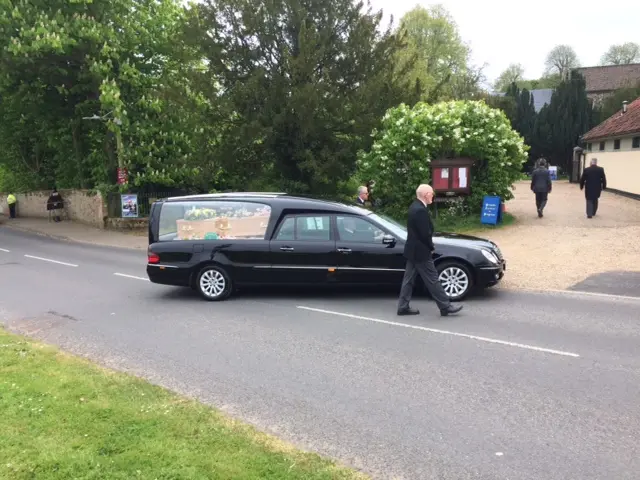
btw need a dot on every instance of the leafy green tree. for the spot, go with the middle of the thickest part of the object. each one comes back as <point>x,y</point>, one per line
<point>410,138</point>
<point>561,60</point>
<point>62,61</point>
<point>441,58</point>
<point>305,81</point>
<point>513,74</point>
<point>613,103</point>
<point>621,54</point>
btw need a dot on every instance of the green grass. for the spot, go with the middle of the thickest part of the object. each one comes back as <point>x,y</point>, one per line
<point>64,418</point>
<point>470,223</point>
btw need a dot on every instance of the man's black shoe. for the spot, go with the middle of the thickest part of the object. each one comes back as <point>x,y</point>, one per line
<point>451,309</point>
<point>409,311</point>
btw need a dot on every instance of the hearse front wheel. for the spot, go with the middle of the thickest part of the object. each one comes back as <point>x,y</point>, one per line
<point>214,283</point>
<point>456,280</point>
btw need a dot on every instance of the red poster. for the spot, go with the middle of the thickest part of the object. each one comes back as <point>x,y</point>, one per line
<point>441,178</point>
<point>123,176</point>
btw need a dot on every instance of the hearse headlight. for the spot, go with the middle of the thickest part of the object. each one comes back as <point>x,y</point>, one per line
<point>489,256</point>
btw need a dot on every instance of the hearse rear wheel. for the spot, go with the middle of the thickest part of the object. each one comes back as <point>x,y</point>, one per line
<point>214,283</point>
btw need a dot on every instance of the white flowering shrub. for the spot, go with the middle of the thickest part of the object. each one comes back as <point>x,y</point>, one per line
<point>401,154</point>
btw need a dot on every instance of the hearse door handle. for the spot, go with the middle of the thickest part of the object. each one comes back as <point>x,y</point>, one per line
<point>344,250</point>
<point>286,249</point>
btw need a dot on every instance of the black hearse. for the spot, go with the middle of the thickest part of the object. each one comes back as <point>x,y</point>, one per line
<point>216,242</point>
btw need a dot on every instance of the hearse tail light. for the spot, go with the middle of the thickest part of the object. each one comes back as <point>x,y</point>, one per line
<point>153,258</point>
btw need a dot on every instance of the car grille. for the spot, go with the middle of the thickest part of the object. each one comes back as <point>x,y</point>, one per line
<point>497,251</point>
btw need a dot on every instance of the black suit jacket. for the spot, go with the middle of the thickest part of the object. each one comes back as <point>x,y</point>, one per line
<point>541,180</point>
<point>420,229</point>
<point>593,181</point>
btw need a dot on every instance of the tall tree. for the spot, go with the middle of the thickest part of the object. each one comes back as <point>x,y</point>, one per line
<point>621,54</point>
<point>62,61</point>
<point>561,60</point>
<point>525,113</point>
<point>307,81</point>
<point>441,58</point>
<point>560,124</point>
<point>512,74</point>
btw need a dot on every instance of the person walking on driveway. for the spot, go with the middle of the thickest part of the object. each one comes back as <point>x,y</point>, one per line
<point>418,251</point>
<point>593,181</point>
<point>541,185</point>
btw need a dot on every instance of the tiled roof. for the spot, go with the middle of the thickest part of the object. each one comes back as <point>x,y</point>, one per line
<point>610,77</point>
<point>618,124</point>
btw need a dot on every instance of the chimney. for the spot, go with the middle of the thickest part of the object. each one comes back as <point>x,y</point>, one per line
<point>624,107</point>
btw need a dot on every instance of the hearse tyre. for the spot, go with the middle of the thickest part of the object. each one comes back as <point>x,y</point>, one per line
<point>213,283</point>
<point>456,279</point>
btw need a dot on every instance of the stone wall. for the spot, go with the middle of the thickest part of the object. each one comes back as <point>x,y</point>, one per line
<point>81,206</point>
<point>136,224</point>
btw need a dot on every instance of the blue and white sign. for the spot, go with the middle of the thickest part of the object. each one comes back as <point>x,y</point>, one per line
<point>553,173</point>
<point>491,210</point>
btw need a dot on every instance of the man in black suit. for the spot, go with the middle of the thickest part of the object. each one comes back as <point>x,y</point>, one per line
<point>593,181</point>
<point>541,185</point>
<point>418,251</point>
<point>362,199</point>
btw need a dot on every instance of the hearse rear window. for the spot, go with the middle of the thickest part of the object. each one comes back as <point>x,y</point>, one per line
<point>212,220</point>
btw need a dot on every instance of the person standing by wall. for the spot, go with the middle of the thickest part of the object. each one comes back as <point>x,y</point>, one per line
<point>418,251</point>
<point>541,185</point>
<point>593,182</point>
<point>11,201</point>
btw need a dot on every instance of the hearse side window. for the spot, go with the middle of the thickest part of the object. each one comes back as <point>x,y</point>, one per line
<point>212,220</point>
<point>310,228</point>
<point>356,229</point>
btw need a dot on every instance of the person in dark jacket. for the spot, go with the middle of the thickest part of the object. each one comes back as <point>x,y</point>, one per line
<point>362,199</point>
<point>541,185</point>
<point>418,250</point>
<point>593,181</point>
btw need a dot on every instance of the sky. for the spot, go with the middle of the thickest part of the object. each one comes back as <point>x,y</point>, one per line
<point>498,35</point>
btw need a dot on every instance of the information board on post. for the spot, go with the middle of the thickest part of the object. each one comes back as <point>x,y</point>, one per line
<point>491,210</point>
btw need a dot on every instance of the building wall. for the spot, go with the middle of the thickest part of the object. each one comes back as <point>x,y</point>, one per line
<point>81,206</point>
<point>622,166</point>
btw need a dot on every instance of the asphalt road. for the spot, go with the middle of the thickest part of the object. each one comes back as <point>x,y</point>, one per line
<point>520,386</point>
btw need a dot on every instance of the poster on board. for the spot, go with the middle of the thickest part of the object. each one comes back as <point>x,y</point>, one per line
<point>129,204</point>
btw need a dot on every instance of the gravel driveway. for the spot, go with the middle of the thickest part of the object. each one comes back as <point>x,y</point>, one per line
<point>564,247</point>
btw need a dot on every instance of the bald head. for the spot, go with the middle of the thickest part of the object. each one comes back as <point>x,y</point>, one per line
<point>594,161</point>
<point>424,193</point>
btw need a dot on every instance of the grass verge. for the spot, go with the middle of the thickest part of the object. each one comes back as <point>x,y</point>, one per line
<point>63,417</point>
<point>470,223</point>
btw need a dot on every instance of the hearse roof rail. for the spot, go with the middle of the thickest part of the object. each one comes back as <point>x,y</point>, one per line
<point>205,196</point>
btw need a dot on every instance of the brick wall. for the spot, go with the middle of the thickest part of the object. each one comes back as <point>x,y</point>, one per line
<point>81,206</point>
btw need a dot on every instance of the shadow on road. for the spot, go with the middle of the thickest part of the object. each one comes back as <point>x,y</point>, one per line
<point>314,293</point>
<point>612,283</point>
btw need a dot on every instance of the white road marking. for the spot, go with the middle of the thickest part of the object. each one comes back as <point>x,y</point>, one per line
<point>581,292</point>
<point>52,261</point>
<point>4,250</point>
<point>444,332</point>
<point>131,276</point>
